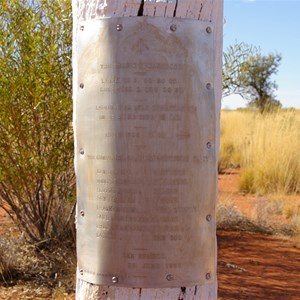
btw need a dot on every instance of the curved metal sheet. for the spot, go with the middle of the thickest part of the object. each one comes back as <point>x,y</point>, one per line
<point>145,159</point>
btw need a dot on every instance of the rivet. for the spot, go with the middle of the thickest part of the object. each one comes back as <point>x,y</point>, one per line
<point>82,213</point>
<point>208,86</point>
<point>119,27</point>
<point>173,27</point>
<point>81,272</point>
<point>81,85</point>
<point>208,218</point>
<point>81,27</point>
<point>115,279</point>
<point>208,29</point>
<point>170,277</point>
<point>81,151</point>
<point>208,276</point>
<point>208,145</point>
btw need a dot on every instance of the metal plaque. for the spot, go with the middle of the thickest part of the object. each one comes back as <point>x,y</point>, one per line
<point>145,158</point>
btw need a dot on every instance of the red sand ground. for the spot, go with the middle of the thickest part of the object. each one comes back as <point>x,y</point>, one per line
<point>256,266</point>
<point>250,266</point>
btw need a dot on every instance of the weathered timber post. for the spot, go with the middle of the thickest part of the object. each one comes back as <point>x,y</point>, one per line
<point>147,93</point>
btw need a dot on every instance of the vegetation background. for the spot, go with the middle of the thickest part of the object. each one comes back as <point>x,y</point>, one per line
<point>264,150</point>
<point>265,147</point>
<point>36,162</point>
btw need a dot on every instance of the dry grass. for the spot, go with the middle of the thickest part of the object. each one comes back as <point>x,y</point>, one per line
<point>6,268</point>
<point>50,268</point>
<point>269,218</point>
<point>266,147</point>
<point>229,217</point>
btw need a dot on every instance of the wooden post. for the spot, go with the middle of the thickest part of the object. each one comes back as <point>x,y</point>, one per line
<point>203,10</point>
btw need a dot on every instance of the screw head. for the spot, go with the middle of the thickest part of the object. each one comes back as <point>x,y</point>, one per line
<point>82,213</point>
<point>208,29</point>
<point>81,272</point>
<point>208,86</point>
<point>208,218</point>
<point>81,151</point>
<point>81,27</point>
<point>81,85</point>
<point>115,279</point>
<point>119,27</point>
<point>170,277</point>
<point>173,27</point>
<point>208,276</point>
<point>208,145</point>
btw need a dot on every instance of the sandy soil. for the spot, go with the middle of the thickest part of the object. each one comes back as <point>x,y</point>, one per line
<point>250,266</point>
<point>257,267</point>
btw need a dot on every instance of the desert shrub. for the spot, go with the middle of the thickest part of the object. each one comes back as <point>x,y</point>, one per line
<point>261,220</point>
<point>36,167</point>
<point>267,147</point>
<point>230,218</point>
<point>6,269</point>
<point>50,267</point>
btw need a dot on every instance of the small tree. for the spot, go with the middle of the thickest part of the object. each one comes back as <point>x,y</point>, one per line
<point>36,144</point>
<point>255,77</point>
<point>249,73</point>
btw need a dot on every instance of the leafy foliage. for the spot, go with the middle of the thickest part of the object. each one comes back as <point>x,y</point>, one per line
<point>233,58</point>
<point>255,76</point>
<point>36,144</point>
<point>249,73</point>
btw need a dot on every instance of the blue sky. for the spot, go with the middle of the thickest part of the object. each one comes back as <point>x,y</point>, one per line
<point>274,26</point>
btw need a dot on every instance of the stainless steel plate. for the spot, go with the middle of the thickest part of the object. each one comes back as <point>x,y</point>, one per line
<point>145,157</point>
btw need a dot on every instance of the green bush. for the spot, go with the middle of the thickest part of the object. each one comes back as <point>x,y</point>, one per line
<point>36,166</point>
